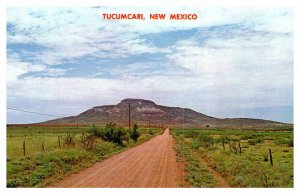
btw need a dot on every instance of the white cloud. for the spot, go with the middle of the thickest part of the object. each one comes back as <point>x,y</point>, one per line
<point>84,89</point>
<point>250,68</point>
<point>72,33</point>
<point>16,67</point>
<point>253,59</point>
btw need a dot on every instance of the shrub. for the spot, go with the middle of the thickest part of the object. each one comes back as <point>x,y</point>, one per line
<point>94,131</point>
<point>135,134</point>
<point>222,139</point>
<point>234,139</point>
<point>202,140</point>
<point>289,142</point>
<point>266,157</point>
<point>69,138</point>
<point>247,136</point>
<point>105,148</point>
<point>119,135</point>
<point>268,138</point>
<point>255,141</point>
<point>87,140</point>
<point>190,133</point>
<point>151,132</point>
<point>110,133</point>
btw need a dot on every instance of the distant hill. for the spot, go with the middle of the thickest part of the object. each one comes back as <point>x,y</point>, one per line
<point>146,112</point>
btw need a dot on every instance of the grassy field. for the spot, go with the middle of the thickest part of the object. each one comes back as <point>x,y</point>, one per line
<point>48,157</point>
<point>242,158</point>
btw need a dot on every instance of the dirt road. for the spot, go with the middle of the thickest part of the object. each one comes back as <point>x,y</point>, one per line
<point>151,164</point>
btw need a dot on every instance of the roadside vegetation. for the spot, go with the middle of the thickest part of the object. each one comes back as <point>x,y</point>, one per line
<point>40,155</point>
<point>244,158</point>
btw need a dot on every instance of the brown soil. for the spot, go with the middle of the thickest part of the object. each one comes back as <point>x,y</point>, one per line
<point>151,164</point>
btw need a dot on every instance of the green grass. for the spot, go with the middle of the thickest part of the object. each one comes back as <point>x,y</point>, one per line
<point>38,168</point>
<point>251,168</point>
<point>196,174</point>
<point>46,167</point>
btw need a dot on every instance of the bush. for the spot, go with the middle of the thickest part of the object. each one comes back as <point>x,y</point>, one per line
<point>291,143</point>
<point>190,133</point>
<point>247,136</point>
<point>111,133</point>
<point>284,141</point>
<point>151,132</point>
<point>255,141</point>
<point>105,148</point>
<point>202,140</point>
<point>135,134</point>
<point>222,139</point>
<point>94,131</point>
<point>266,157</point>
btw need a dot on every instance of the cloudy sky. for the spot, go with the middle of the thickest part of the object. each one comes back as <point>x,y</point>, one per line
<point>231,62</point>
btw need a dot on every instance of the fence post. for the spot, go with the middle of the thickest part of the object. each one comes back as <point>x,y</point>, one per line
<point>240,147</point>
<point>43,148</point>
<point>58,141</point>
<point>271,158</point>
<point>223,143</point>
<point>24,148</point>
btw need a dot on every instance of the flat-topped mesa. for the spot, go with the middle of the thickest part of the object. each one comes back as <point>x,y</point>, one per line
<point>146,112</point>
<point>135,100</point>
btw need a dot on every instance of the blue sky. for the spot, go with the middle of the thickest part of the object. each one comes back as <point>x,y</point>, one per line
<point>229,63</point>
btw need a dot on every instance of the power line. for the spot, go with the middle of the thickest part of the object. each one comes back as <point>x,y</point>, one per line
<point>32,112</point>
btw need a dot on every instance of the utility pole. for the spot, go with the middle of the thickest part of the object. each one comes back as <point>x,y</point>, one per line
<point>183,118</point>
<point>162,121</point>
<point>129,115</point>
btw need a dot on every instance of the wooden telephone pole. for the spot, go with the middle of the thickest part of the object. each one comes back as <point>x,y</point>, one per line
<point>129,115</point>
